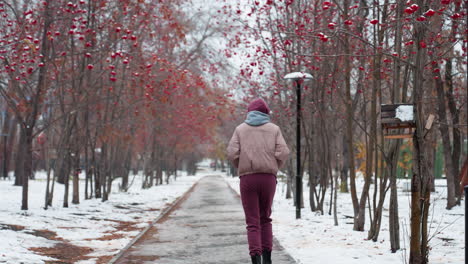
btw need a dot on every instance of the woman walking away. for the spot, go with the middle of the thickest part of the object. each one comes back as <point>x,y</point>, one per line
<point>258,150</point>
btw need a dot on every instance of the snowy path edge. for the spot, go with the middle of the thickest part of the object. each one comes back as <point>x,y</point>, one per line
<point>164,213</point>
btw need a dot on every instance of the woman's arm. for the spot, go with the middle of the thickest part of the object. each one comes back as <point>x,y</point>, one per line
<point>233,149</point>
<point>281,149</point>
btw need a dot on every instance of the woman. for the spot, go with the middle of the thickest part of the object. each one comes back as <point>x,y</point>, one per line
<point>257,149</point>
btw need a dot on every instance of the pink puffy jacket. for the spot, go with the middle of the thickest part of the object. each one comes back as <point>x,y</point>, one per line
<point>257,149</point>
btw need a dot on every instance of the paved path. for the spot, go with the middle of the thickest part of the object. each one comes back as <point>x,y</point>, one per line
<point>208,227</point>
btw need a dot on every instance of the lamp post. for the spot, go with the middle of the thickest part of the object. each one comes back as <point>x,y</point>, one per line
<point>298,77</point>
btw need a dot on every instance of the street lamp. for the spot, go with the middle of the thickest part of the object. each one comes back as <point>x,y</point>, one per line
<point>298,77</point>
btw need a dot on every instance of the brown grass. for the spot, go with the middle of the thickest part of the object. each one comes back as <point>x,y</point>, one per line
<point>64,252</point>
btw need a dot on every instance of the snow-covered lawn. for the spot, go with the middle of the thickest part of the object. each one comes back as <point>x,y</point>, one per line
<point>315,239</point>
<point>104,227</point>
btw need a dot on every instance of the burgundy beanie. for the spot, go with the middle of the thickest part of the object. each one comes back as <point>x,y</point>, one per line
<point>259,105</point>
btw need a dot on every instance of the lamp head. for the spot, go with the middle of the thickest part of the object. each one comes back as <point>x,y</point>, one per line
<point>298,76</point>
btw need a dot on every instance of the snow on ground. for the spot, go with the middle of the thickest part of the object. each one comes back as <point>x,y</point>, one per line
<point>315,239</point>
<point>83,224</point>
<point>312,239</point>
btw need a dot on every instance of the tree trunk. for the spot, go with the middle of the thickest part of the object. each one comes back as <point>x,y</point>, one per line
<point>349,133</point>
<point>289,179</point>
<point>394,153</point>
<point>127,164</point>
<point>455,113</point>
<point>50,195</point>
<point>444,131</point>
<point>335,201</point>
<point>103,171</point>
<point>48,170</point>
<point>20,158</point>
<point>5,135</point>
<point>394,225</point>
<point>28,132</point>
<point>86,171</point>
<point>344,168</point>
<point>76,178</point>
<point>11,142</point>
<point>97,176</point>
<point>456,135</point>
<point>312,183</point>
<point>415,242</point>
<point>359,221</point>
<point>420,182</point>
<point>67,168</point>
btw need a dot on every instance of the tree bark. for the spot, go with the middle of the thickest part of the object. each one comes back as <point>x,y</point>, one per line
<point>349,131</point>
<point>394,225</point>
<point>19,159</point>
<point>455,113</point>
<point>28,170</point>
<point>67,168</point>
<point>456,135</point>
<point>345,167</point>
<point>420,182</point>
<point>76,177</point>
<point>444,131</point>
<point>5,135</point>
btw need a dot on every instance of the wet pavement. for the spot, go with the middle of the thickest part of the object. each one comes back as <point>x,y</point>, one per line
<point>207,227</point>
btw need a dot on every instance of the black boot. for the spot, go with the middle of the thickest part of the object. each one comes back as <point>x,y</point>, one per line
<point>266,256</point>
<point>257,259</point>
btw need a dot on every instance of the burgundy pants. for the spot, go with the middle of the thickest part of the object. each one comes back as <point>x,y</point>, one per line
<point>257,192</point>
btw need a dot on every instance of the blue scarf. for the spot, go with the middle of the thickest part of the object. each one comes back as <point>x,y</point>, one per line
<point>257,118</point>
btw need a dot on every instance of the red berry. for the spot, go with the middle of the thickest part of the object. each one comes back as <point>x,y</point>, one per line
<point>421,18</point>
<point>409,11</point>
<point>456,16</point>
<point>429,13</point>
<point>414,7</point>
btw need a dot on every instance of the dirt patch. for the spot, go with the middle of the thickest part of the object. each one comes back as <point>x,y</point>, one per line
<point>108,237</point>
<point>137,259</point>
<point>104,259</point>
<point>122,226</point>
<point>11,227</point>
<point>127,226</point>
<point>64,253</point>
<point>47,234</point>
<point>67,253</point>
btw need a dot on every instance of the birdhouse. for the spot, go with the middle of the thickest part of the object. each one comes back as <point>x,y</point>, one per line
<point>398,120</point>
